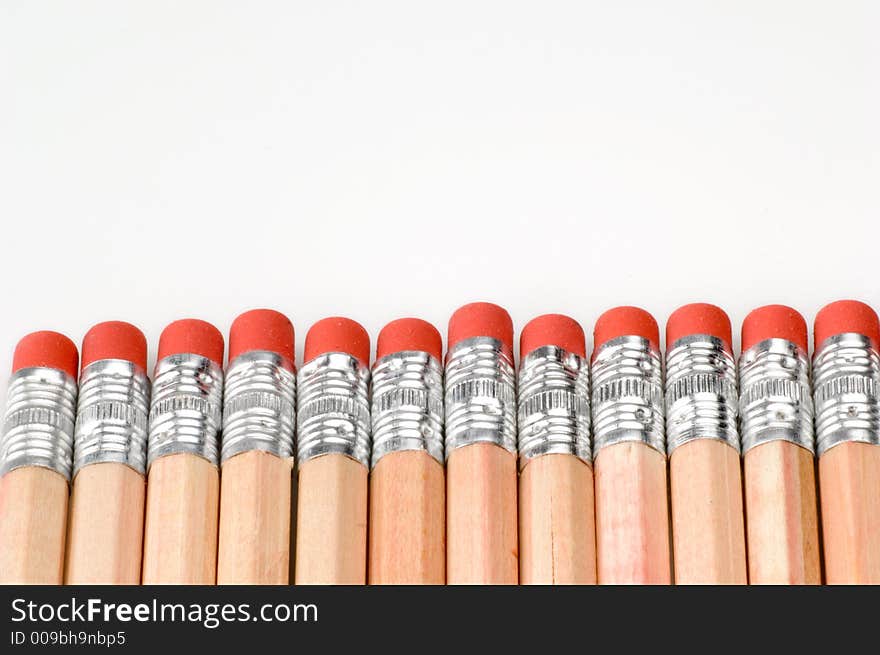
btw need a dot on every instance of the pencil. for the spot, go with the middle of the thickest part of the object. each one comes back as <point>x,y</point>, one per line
<point>481,485</point>
<point>705,477</point>
<point>36,459</point>
<point>106,525</point>
<point>333,419</point>
<point>556,506</point>
<point>408,482</point>
<point>629,455</point>
<point>256,455</point>
<point>846,380</point>
<point>183,483</point>
<point>776,414</point>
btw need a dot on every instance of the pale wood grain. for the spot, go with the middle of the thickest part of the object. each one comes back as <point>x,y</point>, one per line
<point>331,531</point>
<point>106,525</point>
<point>849,480</point>
<point>708,529</point>
<point>408,520</point>
<point>180,533</point>
<point>481,516</point>
<point>557,522</point>
<point>33,521</point>
<point>254,535</point>
<point>632,515</point>
<point>782,522</point>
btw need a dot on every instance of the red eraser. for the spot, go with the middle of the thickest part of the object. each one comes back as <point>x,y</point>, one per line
<point>552,330</point>
<point>774,322</point>
<point>409,334</point>
<point>115,340</point>
<point>699,318</point>
<point>262,329</point>
<point>846,316</point>
<point>46,349</point>
<point>192,337</point>
<point>625,322</point>
<point>338,335</point>
<point>480,319</point>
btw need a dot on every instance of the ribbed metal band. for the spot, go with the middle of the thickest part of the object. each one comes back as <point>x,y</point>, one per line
<point>333,411</point>
<point>39,421</point>
<point>259,405</point>
<point>775,402</point>
<point>553,404</point>
<point>112,415</point>
<point>701,399</point>
<point>480,395</point>
<point>185,413</point>
<point>627,394</point>
<point>407,405</point>
<point>846,391</point>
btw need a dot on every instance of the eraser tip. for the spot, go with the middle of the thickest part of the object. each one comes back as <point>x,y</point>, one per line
<point>262,329</point>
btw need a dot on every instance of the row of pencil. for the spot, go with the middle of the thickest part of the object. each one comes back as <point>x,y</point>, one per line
<point>628,467</point>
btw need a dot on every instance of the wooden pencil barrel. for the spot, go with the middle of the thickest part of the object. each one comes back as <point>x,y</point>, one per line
<point>407,520</point>
<point>180,531</point>
<point>632,515</point>
<point>557,521</point>
<point>33,520</point>
<point>331,529</point>
<point>782,522</point>
<point>106,526</point>
<point>849,480</point>
<point>708,531</point>
<point>254,534</point>
<point>481,516</point>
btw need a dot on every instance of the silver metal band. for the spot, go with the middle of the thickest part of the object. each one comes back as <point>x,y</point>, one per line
<point>627,395</point>
<point>333,409</point>
<point>846,391</point>
<point>480,395</point>
<point>185,412</point>
<point>407,405</point>
<point>775,403</point>
<point>39,421</point>
<point>701,399</point>
<point>259,405</point>
<point>111,422</point>
<point>553,405</point>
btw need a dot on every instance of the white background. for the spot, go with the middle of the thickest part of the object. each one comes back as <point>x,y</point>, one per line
<point>161,160</point>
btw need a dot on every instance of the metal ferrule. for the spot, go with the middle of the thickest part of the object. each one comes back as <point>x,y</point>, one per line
<point>111,420</point>
<point>407,405</point>
<point>775,403</point>
<point>627,398</point>
<point>480,395</point>
<point>39,421</point>
<point>333,411</point>
<point>553,405</point>
<point>701,401</point>
<point>185,412</point>
<point>846,384</point>
<point>259,405</point>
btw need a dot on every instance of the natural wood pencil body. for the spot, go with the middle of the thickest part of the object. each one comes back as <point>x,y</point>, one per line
<point>849,478</point>
<point>782,522</point>
<point>106,526</point>
<point>481,516</point>
<point>180,532</point>
<point>632,515</point>
<point>331,530</point>
<point>254,534</point>
<point>557,521</point>
<point>33,521</point>
<point>708,529</point>
<point>408,520</point>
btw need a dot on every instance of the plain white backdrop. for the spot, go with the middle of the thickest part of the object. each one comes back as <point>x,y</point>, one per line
<point>161,160</point>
